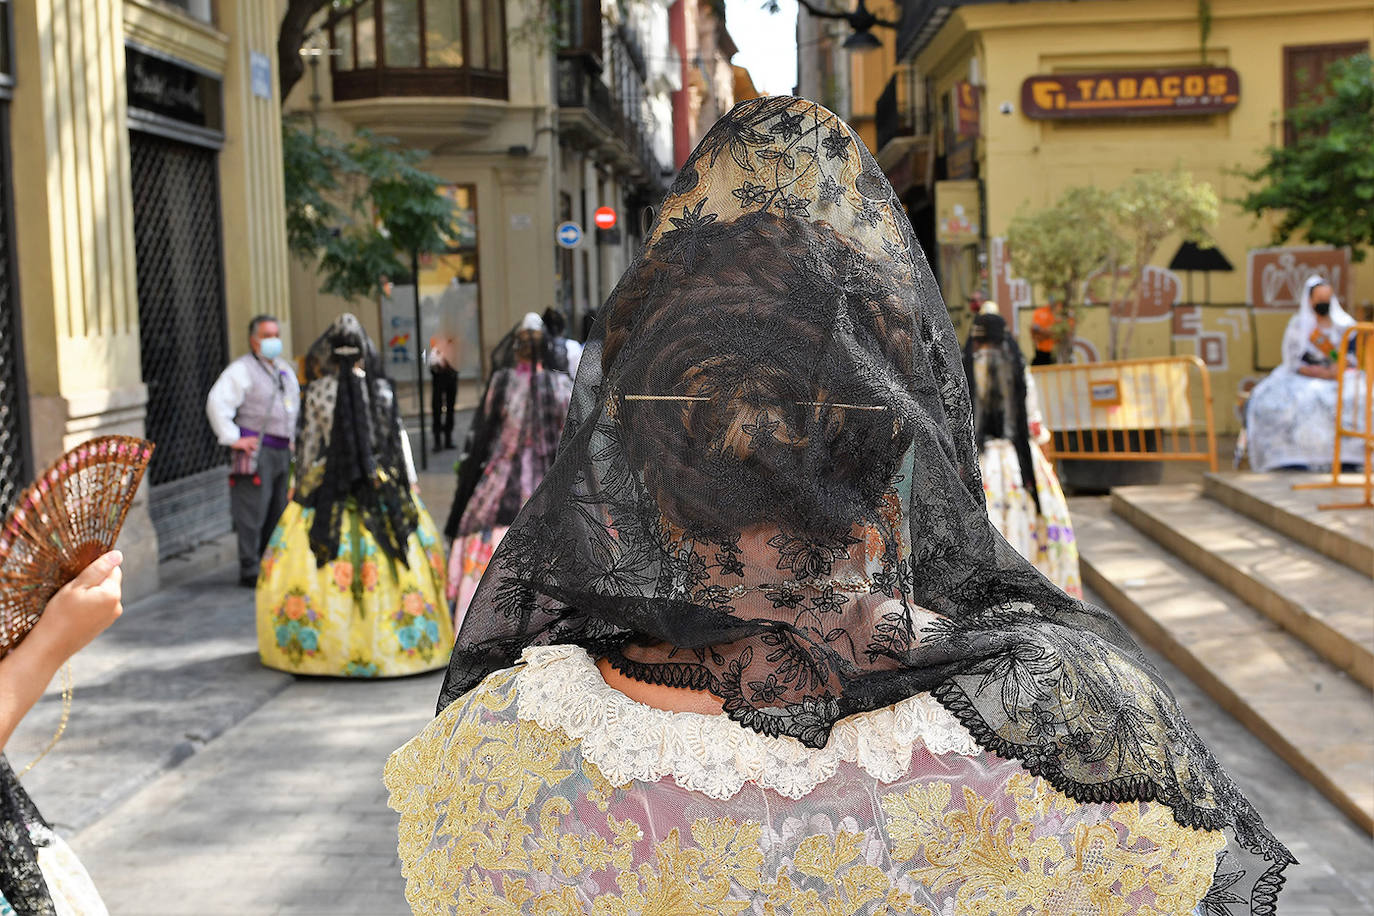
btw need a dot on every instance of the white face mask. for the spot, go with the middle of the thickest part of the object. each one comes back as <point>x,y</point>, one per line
<point>270,347</point>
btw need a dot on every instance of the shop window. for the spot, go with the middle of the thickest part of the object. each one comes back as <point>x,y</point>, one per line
<point>1304,73</point>
<point>420,47</point>
<point>450,298</point>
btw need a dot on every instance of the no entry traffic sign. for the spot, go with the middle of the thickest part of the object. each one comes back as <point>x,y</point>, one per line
<point>569,235</point>
<point>605,218</point>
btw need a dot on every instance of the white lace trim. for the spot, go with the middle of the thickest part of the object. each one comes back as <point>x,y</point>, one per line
<point>560,688</point>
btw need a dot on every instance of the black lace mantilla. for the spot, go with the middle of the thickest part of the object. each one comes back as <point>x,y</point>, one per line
<point>768,488</point>
<point>21,881</point>
<point>361,460</point>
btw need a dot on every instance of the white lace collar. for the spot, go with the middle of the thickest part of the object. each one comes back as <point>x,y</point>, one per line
<point>559,687</point>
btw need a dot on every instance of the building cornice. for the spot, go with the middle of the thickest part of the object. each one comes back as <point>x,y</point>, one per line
<point>157,28</point>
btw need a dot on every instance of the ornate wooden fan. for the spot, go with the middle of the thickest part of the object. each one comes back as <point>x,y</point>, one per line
<point>66,518</point>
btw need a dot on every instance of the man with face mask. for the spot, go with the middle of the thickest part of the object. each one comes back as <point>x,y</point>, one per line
<point>252,408</point>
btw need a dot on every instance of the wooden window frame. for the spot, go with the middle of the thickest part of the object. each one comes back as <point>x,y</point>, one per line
<point>1339,49</point>
<point>382,80</point>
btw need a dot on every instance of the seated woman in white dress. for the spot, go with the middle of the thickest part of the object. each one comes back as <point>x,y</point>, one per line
<point>1025,502</point>
<point>754,646</point>
<point>1290,418</point>
<point>39,873</point>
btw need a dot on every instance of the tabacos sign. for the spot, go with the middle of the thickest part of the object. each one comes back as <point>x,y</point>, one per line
<point>1131,93</point>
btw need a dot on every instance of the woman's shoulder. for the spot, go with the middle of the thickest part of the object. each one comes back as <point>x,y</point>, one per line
<point>561,689</point>
<point>558,693</point>
<point>543,773</point>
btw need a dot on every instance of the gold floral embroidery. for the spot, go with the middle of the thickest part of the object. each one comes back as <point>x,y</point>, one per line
<point>500,816</point>
<point>602,788</point>
<point>1000,866</point>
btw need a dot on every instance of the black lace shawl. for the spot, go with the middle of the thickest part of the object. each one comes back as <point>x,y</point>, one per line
<point>555,341</point>
<point>21,882</point>
<point>477,445</point>
<point>1000,412</point>
<point>769,471</point>
<point>362,457</point>
<point>546,393</point>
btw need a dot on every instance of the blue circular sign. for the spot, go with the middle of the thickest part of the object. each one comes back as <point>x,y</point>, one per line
<point>569,235</point>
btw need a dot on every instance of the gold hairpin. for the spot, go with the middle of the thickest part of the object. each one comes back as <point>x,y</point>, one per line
<point>701,398</point>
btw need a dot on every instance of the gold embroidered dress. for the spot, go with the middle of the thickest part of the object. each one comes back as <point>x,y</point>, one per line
<point>545,791</point>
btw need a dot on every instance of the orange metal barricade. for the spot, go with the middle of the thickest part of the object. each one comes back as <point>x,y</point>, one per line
<point>1363,333</point>
<point>1154,409</point>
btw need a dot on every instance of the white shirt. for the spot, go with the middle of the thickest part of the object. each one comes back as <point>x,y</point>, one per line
<point>574,356</point>
<point>228,393</point>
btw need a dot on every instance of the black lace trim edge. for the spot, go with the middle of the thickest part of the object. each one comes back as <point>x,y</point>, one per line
<point>683,675</point>
<point>1266,890</point>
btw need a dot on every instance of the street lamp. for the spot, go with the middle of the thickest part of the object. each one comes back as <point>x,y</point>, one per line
<point>860,20</point>
<point>861,42</point>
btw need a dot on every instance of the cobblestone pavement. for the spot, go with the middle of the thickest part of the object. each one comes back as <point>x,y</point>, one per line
<point>196,782</point>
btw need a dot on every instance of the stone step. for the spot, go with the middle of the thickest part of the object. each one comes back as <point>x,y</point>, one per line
<point>1326,605</point>
<point>1344,535</point>
<point>1315,717</point>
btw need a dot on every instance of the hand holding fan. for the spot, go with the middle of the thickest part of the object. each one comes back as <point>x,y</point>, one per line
<point>66,518</point>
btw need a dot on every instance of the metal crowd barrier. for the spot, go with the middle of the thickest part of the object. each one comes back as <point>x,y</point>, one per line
<point>1152,409</point>
<point>1364,359</point>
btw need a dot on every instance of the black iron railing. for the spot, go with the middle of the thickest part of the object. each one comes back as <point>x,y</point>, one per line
<point>14,452</point>
<point>182,333</point>
<point>580,85</point>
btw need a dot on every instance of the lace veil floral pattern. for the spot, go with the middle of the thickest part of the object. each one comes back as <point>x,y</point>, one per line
<point>768,488</point>
<point>361,456</point>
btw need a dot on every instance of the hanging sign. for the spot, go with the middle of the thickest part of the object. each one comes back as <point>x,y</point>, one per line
<point>166,88</point>
<point>569,235</point>
<point>957,205</point>
<point>605,218</point>
<point>1131,93</point>
<point>967,107</point>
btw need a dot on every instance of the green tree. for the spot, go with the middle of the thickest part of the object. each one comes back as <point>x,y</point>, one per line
<point>360,209</point>
<point>1149,208</point>
<point>1056,249</point>
<point>1321,185</point>
<point>1090,233</point>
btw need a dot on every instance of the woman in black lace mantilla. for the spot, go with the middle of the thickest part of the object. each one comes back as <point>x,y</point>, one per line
<point>768,496</point>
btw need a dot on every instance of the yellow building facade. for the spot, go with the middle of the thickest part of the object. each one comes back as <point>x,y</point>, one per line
<point>144,226</point>
<point>526,135</point>
<point>999,55</point>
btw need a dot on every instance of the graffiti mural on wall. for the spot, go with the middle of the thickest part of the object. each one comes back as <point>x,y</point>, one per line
<point>1275,276</point>
<point>1239,342</point>
<point>1011,293</point>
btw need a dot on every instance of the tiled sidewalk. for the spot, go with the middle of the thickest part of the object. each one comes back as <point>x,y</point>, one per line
<point>284,813</point>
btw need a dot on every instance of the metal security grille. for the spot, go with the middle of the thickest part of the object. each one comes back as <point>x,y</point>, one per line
<point>14,451</point>
<point>182,333</point>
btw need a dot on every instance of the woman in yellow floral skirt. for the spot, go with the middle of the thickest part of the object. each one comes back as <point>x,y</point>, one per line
<point>352,581</point>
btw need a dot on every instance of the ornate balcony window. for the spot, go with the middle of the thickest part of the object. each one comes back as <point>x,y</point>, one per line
<point>420,48</point>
